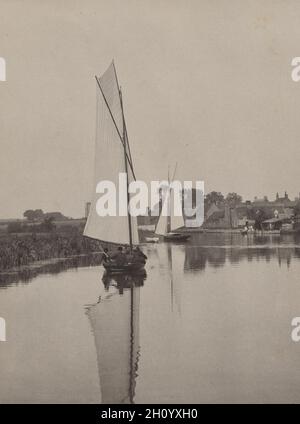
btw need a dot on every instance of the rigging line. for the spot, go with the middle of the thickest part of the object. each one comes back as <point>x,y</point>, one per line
<point>175,169</point>
<point>121,139</point>
<point>124,123</point>
<point>126,168</point>
<point>125,129</point>
<point>129,151</point>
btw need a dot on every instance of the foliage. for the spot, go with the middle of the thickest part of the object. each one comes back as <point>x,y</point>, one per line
<point>233,199</point>
<point>47,225</point>
<point>33,215</point>
<point>214,197</point>
<point>297,208</point>
<point>18,250</point>
<point>15,227</point>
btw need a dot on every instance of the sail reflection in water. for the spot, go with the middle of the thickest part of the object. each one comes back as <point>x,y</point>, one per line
<point>175,268</point>
<point>115,325</point>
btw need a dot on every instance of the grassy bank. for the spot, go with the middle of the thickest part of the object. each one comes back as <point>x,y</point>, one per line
<point>17,250</point>
<point>25,273</point>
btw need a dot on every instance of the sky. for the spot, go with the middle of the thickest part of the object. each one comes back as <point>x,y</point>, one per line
<point>206,83</point>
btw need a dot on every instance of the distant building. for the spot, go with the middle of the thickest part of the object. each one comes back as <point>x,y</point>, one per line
<point>281,207</point>
<point>224,215</point>
<point>260,202</point>
<point>283,200</point>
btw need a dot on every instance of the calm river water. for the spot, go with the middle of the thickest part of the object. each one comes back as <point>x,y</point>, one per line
<point>211,322</point>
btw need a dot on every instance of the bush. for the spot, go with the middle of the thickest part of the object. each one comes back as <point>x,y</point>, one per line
<point>15,227</point>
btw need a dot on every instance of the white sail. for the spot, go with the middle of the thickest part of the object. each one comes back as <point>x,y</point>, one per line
<point>109,160</point>
<point>162,223</point>
<point>174,220</point>
<point>161,227</point>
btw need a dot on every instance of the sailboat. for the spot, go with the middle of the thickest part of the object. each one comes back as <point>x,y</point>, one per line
<point>168,223</point>
<point>112,157</point>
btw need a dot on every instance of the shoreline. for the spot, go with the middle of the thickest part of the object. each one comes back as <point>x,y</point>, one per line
<point>237,231</point>
<point>51,261</point>
<point>25,273</point>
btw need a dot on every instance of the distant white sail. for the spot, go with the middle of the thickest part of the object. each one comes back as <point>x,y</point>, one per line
<point>162,224</point>
<point>176,221</point>
<point>173,220</point>
<point>109,161</point>
<point>161,227</point>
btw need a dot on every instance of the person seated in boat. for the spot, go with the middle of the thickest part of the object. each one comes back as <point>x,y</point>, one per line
<point>128,253</point>
<point>105,256</point>
<point>119,256</point>
<point>139,256</point>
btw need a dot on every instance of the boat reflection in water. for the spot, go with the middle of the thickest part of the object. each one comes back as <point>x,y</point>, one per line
<point>115,325</point>
<point>175,265</point>
<point>217,250</point>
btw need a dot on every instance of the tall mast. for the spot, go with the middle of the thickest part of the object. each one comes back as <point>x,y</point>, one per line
<point>126,170</point>
<point>121,136</point>
<point>170,203</point>
<point>168,224</point>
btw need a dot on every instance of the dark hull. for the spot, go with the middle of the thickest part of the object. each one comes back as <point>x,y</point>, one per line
<point>176,237</point>
<point>124,269</point>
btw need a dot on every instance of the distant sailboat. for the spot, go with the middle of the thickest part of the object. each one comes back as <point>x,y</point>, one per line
<point>112,157</point>
<point>168,223</point>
